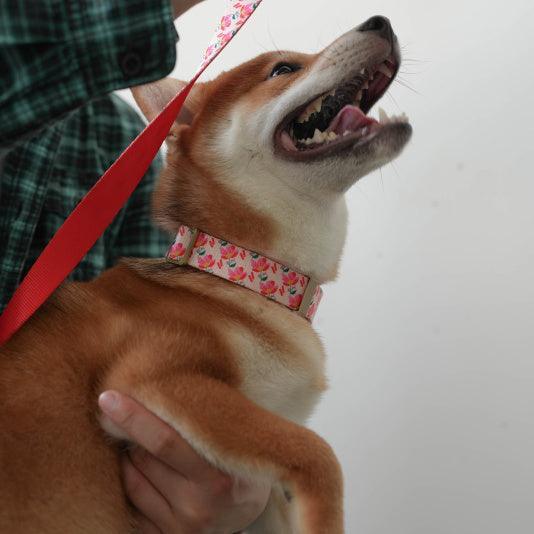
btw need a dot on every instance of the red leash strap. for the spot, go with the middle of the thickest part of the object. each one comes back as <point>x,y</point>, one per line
<point>97,209</point>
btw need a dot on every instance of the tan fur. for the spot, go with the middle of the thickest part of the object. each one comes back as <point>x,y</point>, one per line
<point>234,373</point>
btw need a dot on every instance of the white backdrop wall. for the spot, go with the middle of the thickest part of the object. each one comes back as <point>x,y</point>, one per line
<point>430,328</point>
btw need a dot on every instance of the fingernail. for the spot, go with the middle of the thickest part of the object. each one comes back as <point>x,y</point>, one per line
<point>109,401</point>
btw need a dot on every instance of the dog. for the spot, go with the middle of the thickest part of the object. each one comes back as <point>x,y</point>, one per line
<point>261,157</point>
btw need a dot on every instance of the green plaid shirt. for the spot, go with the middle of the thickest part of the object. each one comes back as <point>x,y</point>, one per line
<point>60,129</point>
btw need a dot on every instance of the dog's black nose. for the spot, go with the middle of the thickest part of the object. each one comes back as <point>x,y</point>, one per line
<point>380,25</point>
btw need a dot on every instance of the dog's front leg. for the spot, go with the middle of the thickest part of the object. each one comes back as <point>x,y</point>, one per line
<point>243,439</point>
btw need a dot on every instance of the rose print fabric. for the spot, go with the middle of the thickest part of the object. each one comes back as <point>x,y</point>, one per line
<point>237,14</point>
<point>247,269</point>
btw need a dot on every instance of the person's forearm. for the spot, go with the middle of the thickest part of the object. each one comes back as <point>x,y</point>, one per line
<point>56,56</point>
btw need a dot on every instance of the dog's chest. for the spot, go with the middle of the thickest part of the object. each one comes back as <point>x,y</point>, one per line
<point>284,374</point>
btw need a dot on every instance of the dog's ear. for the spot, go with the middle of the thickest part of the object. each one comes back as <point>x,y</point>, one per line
<point>153,97</point>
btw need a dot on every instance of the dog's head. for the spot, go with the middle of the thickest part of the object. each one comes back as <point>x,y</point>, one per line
<point>276,142</point>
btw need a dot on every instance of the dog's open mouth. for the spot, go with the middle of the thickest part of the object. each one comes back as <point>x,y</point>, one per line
<point>339,118</point>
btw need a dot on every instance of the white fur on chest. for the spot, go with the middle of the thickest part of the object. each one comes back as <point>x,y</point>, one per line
<point>286,382</point>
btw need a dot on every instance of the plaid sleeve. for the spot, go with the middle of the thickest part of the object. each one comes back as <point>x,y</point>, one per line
<point>138,236</point>
<point>132,233</point>
<point>55,55</point>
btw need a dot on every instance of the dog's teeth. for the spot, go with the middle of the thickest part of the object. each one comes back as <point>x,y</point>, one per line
<point>312,108</point>
<point>315,106</point>
<point>359,96</point>
<point>320,137</point>
<point>384,119</point>
<point>385,70</point>
<point>362,72</point>
<point>383,116</point>
<point>317,136</point>
<point>346,132</point>
<point>366,85</point>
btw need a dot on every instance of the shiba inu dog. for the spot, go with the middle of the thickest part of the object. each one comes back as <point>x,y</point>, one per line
<point>260,157</point>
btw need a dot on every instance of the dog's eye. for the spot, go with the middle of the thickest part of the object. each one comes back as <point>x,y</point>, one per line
<point>283,68</point>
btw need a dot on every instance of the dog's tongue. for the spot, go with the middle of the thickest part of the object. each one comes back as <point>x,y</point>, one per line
<point>350,118</point>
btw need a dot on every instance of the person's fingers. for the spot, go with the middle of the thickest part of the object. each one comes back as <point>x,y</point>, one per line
<point>167,481</point>
<point>151,433</point>
<point>192,500</point>
<point>145,526</point>
<point>148,501</point>
<point>220,500</point>
<point>171,484</point>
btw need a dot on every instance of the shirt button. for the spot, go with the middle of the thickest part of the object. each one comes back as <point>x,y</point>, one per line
<point>131,64</point>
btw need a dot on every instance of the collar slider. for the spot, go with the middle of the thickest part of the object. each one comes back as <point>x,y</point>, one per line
<point>307,298</point>
<point>180,251</point>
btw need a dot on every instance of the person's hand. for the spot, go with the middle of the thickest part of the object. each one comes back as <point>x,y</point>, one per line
<point>181,6</point>
<point>174,490</point>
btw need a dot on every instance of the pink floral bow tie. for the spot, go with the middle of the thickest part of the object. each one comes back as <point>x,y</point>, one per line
<point>269,278</point>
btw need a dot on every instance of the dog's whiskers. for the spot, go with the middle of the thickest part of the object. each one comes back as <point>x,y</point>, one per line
<point>402,82</point>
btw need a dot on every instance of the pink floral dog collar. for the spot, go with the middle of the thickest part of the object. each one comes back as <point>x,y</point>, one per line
<point>269,278</point>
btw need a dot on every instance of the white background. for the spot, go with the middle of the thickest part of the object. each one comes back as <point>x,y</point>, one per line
<point>430,328</point>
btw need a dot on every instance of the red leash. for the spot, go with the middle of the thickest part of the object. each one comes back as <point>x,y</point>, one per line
<point>97,209</point>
